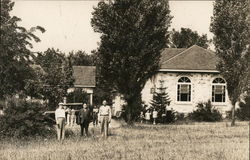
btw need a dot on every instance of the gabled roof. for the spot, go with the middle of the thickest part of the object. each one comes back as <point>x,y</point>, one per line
<point>84,76</point>
<point>194,58</point>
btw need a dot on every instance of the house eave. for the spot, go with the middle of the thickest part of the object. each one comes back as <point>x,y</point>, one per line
<point>188,71</point>
<point>83,86</point>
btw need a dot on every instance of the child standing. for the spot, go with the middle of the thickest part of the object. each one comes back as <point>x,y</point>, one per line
<point>147,116</point>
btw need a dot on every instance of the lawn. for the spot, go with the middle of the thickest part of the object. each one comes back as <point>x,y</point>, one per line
<point>215,141</point>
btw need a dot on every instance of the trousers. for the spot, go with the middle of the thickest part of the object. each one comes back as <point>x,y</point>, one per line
<point>60,128</point>
<point>104,125</point>
<point>84,127</point>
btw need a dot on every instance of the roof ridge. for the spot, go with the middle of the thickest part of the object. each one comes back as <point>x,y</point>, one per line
<point>179,54</point>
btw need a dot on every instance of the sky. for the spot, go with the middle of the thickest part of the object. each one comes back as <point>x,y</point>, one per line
<point>68,28</point>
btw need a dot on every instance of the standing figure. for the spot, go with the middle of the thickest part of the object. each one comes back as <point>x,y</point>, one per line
<point>163,117</point>
<point>155,115</point>
<point>147,116</point>
<point>141,116</point>
<point>104,117</point>
<point>73,117</point>
<point>95,115</point>
<point>60,122</point>
<point>84,119</point>
<point>68,117</point>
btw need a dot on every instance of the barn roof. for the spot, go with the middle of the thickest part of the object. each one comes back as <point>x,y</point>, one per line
<point>85,76</point>
<point>194,58</point>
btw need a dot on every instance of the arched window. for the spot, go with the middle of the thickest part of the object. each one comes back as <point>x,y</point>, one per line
<point>218,90</point>
<point>184,90</point>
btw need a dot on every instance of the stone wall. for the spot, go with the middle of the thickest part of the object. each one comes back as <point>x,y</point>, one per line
<point>201,90</point>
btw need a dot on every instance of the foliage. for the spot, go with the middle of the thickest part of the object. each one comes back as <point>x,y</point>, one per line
<point>81,58</point>
<point>231,27</point>
<point>133,34</point>
<point>15,54</point>
<point>205,112</point>
<point>187,38</point>
<point>160,100</point>
<point>170,116</point>
<point>57,76</point>
<point>243,113</point>
<point>77,96</point>
<point>22,119</point>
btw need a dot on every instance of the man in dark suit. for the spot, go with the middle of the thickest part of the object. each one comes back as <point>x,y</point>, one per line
<point>84,119</point>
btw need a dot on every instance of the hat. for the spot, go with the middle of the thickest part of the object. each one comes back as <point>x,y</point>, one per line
<point>61,104</point>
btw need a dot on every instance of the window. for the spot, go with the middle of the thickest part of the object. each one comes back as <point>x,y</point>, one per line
<point>184,89</point>
<point>218,90</point>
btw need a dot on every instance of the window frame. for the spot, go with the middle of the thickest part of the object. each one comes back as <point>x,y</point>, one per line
<point>218,82</point>
<point>184,81</point>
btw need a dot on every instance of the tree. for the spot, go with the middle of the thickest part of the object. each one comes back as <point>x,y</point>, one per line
<point>81,58</point>
<point>160,99</point>
<point>133,34</point>
<point>77,96</point>
<point>57,76</point>
<point>186,38</point>
<point>231,27</point>
<point>15,54</point>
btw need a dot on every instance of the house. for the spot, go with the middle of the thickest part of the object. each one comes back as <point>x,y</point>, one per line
<point>85,78</point>
<point>189,76</point>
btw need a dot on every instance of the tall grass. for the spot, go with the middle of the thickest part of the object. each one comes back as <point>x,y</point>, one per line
<point>201,141</point>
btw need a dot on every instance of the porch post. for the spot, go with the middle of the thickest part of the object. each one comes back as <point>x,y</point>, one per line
<point>91,99</point>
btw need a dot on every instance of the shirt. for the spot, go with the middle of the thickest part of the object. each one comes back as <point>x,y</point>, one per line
<point>105,110</point>
<point>84,115</point>
<point>95,110</point>
<point>147,115</point>
<point>155,114</point>
<point>60,113</point>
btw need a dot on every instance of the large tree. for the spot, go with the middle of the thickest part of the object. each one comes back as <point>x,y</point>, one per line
<point>231,28</point>
<point>15,54</point>
<point>186,38</point>
<point>57,76</point>
<point>133,34</point>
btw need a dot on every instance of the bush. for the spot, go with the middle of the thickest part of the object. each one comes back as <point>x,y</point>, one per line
<point>23,119</point>
<point>243,113</point>
<point>170,116</point>
<point>205,112</point>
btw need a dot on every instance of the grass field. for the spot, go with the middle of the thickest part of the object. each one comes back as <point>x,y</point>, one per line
<point>203,141</point>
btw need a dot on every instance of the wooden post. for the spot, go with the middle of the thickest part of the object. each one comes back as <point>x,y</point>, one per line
<point>91,99</point>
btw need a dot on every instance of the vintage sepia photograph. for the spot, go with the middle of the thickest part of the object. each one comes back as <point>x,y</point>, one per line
<point>125,80</point>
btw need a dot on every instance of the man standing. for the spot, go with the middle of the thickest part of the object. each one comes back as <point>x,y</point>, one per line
<point>104,117</point>
<point>60,122</point>
<point>95,115</point>
<point>84,119</point>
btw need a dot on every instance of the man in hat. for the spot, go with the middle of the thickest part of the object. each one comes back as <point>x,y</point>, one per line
<point>84,119</point>
<point>60,122</point>
<point>104,118</point>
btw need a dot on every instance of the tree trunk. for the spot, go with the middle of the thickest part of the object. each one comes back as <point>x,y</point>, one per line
<point>129,116</point>
<point>233,115</point>
<point>133,105</point>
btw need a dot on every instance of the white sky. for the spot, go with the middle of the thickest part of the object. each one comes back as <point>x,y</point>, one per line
<point>68,27</point>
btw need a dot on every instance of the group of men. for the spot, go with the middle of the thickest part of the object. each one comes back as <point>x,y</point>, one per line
<point>85,115</point>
